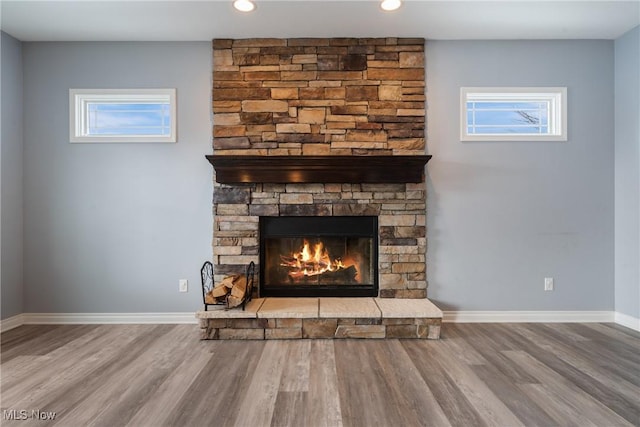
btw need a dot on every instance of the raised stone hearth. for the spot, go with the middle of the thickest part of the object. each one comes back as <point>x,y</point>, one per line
<point>294,318</point>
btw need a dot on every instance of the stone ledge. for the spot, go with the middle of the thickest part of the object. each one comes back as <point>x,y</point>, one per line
<point>403,308</point>
<point>349,308</point>
<point>324,318</point>
<point>289,308</point>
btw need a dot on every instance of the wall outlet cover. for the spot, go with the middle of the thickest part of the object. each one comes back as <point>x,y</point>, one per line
<point>548,283</point>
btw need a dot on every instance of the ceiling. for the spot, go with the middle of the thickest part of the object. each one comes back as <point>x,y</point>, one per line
<point>184,20</point>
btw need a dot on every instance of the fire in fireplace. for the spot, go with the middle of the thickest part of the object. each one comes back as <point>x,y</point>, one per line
<point>319,256</point>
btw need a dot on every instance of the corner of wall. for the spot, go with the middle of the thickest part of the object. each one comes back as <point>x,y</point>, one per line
<point>627,178</point>
<point>11,178</point>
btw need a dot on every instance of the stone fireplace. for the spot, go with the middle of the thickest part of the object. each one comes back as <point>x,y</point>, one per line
<point>325,128</point>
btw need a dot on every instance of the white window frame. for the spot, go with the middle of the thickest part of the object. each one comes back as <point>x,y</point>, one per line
<point>556,96</point>
<point>78,113</point>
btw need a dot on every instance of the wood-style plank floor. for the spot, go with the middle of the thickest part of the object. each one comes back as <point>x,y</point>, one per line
<point>476,375</point>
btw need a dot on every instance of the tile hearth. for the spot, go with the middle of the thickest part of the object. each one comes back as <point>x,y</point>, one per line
<point>295,318</point>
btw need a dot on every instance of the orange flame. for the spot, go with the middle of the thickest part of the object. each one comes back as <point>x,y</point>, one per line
<point>311,261</point>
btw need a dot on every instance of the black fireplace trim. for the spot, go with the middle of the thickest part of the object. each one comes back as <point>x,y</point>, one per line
<point>320,291</point>
<point>290,226</point>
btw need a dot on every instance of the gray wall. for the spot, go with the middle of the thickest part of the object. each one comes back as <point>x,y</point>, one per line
<point>502,216</point>
<point>11,288</point>
<point>627,174</point>
<point>113,227</point>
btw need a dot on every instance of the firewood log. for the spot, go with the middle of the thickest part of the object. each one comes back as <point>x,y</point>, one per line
<point>220,291</point>
<point>228,281</point>
<point>239,287</point>
<point>233,301</point>
<point>209,298</point>
<point>342,275</point>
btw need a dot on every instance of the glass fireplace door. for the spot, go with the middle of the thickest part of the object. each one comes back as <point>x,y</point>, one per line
<point>318,256</point>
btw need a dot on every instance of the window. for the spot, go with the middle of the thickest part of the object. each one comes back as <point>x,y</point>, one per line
<point>122,115</point>
<point>513,114</point>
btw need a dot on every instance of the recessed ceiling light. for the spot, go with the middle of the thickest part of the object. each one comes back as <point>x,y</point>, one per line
<point>244,5</point>
<point>390,5</point>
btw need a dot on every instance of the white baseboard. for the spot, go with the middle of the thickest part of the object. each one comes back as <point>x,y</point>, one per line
<point>107,318</point>
<point>11,322</point>
<point>528,316</point>
<point>449,316</point>
<point>628,321</point>
<point>96,318</point>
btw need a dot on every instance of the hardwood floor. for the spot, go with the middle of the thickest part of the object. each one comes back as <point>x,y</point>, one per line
<point>476,375</point>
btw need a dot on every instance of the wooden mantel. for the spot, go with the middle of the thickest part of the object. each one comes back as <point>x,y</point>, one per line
<point>319,169</point>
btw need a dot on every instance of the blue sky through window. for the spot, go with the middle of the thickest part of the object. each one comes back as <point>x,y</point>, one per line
<point>488,117</point>
<point>128,118</point>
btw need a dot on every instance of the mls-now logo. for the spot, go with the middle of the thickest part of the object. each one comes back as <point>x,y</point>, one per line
<point>23,414</point>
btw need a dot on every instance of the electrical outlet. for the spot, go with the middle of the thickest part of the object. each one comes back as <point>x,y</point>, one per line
<point>183,285</point>
<point>548,283</point>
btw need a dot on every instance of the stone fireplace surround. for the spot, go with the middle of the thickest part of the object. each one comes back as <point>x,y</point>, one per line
<point>321,97</point>
<point>401,217</point>
<point>310,97</point>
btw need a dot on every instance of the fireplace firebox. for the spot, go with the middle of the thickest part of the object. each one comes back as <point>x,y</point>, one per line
<point>319,256</point>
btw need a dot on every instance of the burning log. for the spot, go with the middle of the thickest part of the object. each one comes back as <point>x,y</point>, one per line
<point>341,275</point>
<point>288,260</point>
<point>314,264</point>
<point>347,275</point>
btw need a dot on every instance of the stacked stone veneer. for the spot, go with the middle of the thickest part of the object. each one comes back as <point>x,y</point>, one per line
<point>318,96</point>
<point>291,328</point>
<point>295,328</point>
<point>322,97</point>
<point>281,318</point>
